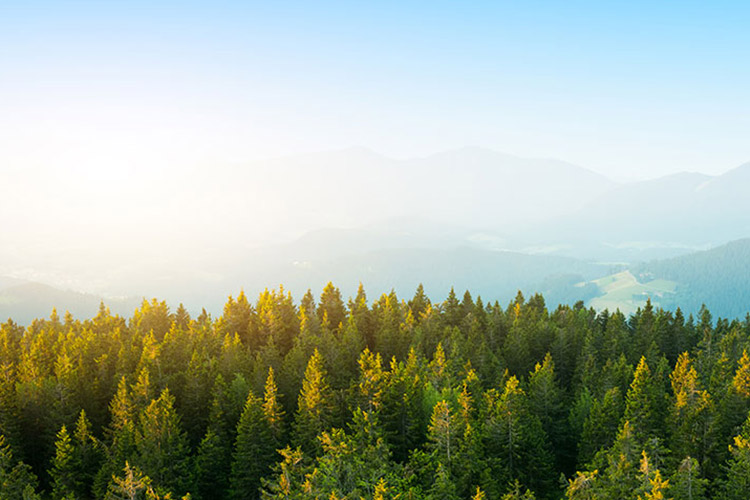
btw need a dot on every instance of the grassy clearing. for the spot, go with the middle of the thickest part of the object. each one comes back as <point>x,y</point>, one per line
<point>623,291</point>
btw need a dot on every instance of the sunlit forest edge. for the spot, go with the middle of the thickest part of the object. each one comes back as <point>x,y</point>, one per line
<point>337,399</point>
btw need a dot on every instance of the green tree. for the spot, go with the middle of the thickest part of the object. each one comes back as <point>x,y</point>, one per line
<point>331,309</point>
<point>643,405</point>
<point>516,443</point>
<point>737,482</point>
<point>64,472</point>
<point>687,482</point>
<point>690,417</point>
<point>17,481</point>
<point>212,460</point>
<point>162,446</point>
<point>314,406</point>
<point>254,450</point>
<point>545,402</point>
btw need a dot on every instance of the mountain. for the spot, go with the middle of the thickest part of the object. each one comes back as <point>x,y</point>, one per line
<point>471,187</point>
<point>657,218</point>
<point>718,278</point>
<point>395,255</point>
<point>23,301</point>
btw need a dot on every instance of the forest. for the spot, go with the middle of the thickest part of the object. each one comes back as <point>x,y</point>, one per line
<point>331,398</point>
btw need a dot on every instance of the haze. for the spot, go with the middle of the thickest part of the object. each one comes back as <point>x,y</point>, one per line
<point>144,143</point>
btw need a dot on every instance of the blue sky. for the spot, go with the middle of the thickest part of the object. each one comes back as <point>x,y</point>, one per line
<point>630,89</point>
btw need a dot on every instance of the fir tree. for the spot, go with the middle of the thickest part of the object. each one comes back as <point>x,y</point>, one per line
<point>254,450</point>
<point>17,481</point>
<point>314,407</point>
<point>65,469</point>
<point>162,447</point>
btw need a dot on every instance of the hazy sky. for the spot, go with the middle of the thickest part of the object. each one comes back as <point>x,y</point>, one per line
<point>104,89</point>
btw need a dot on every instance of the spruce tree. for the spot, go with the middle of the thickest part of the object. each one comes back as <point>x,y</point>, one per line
<point>737,482</point>
<point>65,469</point>
<point>212,460</point>
<point>314,406</point>
<point>690,417</point>
<point>687,482</point>
<point>254,450</point>
<point>162,447</point>
<point>17,481</point>
<point>643,405</point>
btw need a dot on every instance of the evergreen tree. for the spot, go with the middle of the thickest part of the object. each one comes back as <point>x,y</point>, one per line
<point>212,464</point>
<point>687,483</point>
<point>272,409</point>
<point>515,442</point>
<point>643,405</point>
<point>87,455</point>
<point>162,447</point>
<point>331,308</point>
<point>517,492</point>
<point>442,435</point>
<point>64,472</point>
<point>254,450</point>
<point>545,401</point>
<point>17,481</point>
<point>737,482</point>
<point>690,419</point>
<point>652,485</point>
<point>314,407</point>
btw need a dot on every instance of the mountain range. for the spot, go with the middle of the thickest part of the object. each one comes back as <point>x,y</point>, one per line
<point>470,218</point>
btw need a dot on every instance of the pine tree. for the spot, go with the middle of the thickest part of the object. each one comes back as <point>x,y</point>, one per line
<point>516,443</point>
<point>162,447</point>
<point>517,492</point>
<point>290,474</point>
<point>583,486</point>
<point>442,435</point>
<point>331,308</point>
<point>212,460</point>
<point>419,303</point>
<point>545,401</point>
<point>314,407</point>
<point>690,419</point>
<point>17,481</point>
<point>272,409</point>
<point>687,483</point>
<point>443,487</point>
<point>652,485</point>
<point>132,485</point>
<point>87,455</point>
<point>402,412</point>
<point>738,470</point>
<point>121,435</point>
<point>65,469</point>
<point>254,450</point>
<point>371,380</point>
<point>643,405</point>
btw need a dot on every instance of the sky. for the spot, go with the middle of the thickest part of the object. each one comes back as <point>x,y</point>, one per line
<point>95,93</point>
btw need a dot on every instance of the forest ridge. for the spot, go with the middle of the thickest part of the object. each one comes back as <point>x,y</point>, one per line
<point>383,399</point>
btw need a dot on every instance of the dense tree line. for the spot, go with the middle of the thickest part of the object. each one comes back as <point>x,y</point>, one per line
<point>378,400</point>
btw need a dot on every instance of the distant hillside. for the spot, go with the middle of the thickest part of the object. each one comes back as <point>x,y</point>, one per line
<point>25,301</point>
<point>655,219</point>
<point>719,277</point>
<point>473,187</point>
<point>401,255</point>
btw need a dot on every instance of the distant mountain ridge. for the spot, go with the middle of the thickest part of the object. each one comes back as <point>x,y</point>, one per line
<point>23,301</point>
<point>718,278</point>
<point>656,218</point>
<point>476,217</point>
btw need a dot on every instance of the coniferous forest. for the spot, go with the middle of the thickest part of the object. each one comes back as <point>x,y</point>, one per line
<point>328,398</point>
